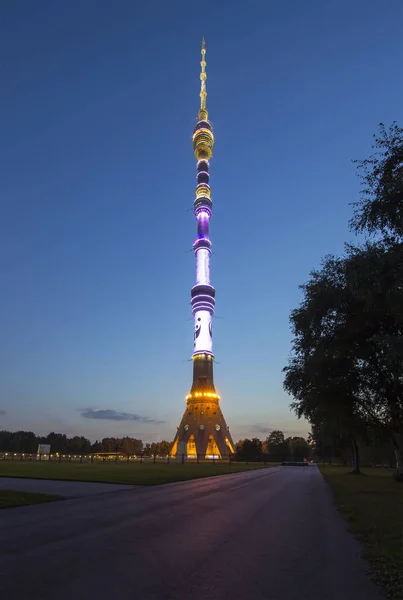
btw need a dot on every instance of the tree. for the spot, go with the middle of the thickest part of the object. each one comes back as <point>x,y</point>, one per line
<point>249,450</point>
<point>380,212</point>
<point>21,441</point>
<point>298,448</point>
<point>346,365</point>
<point>78,445</point>
<point>275,445</point>
<point>165,447</point>
<point>96,447</point>
<point>110,444</point>
<point>147,449</point>
<point>129,445</point>
<point>345,373</point>
<point>380,208</point>
<point>327,443</point>
<point>57,441</point>
<point>276,438</point>
<point>4,440</point>
<point>27,442</point>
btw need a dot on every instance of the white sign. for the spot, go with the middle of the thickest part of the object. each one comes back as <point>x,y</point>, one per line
<point>44,449</point>
<point>182,451</point>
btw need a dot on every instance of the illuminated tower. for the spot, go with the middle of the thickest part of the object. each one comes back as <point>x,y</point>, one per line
<point>203,430</point>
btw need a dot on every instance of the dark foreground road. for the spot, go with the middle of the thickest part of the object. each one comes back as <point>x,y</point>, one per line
<point>271,534</point>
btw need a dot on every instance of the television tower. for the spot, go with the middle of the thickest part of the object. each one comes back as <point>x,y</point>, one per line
<point>203,431</point>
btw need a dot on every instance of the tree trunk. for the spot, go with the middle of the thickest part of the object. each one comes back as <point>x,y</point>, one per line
<point>398,446</point>
<point>397,438</point>
<point>355,457</point>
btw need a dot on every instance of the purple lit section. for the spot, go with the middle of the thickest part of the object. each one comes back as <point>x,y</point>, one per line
<point>203,266</point>
<point>203,302</point>
<point>203,214</point>
<point>203,341</point>
<point>203,177</point>
<point>203,163</point>
<point>203,219</point>
<point>199,207</point>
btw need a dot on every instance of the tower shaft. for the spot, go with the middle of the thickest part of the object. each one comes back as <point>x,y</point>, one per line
<point>203,431</point>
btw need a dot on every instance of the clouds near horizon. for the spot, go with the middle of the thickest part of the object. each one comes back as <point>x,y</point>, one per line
<point>108,414</point>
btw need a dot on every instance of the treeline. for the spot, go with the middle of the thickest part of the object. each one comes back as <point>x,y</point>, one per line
<point>329,445</point>
<point>276,448</point>
<point>27,442</point>
<point>345,372</point>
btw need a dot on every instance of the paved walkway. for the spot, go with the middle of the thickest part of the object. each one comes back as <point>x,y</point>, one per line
<point>67,489</point>
<point>272,534</point>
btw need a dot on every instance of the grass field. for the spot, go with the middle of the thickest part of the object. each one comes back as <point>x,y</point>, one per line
<point>132,473</point>
<point>10,498</point>
<point>373,505</point>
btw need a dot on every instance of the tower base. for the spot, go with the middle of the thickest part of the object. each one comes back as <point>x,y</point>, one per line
<point>203,432</point>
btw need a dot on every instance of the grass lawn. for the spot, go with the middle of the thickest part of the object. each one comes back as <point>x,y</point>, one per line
<point>373,505</point>
<point>132,473</point>
<point>10,498</point>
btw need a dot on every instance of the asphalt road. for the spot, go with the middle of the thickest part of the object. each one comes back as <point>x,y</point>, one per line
<point>271,534</point>
<point>66,489</point>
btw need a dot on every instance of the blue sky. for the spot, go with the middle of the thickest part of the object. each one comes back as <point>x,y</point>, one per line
<point>99,100</point>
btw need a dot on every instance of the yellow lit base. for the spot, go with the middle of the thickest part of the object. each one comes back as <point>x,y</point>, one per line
<point>201,395</point>
<point>202,357</point>
<point>203,432</point>
<point>191,447</point>
<point>230,446</point>
<point>212,449</point>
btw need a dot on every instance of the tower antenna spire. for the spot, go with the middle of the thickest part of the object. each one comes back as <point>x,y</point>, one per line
<point>203,77</point>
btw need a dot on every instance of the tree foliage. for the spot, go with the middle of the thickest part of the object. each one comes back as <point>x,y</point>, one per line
<point>380,208</point>
<point>275,446</point>
<point>345,372</point>
<point>27,442</point>
<point>346,365</point>
<point>249,450</point>
<point>298,448</point>
<point>275,439</point>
